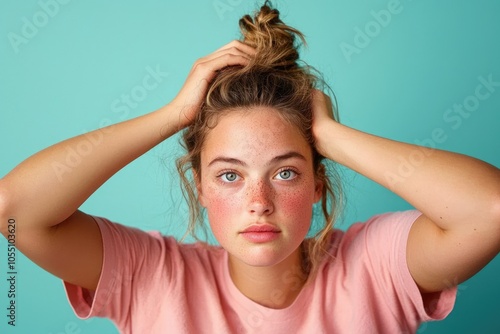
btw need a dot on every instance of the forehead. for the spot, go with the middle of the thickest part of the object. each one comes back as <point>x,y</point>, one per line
<point>258,133</point>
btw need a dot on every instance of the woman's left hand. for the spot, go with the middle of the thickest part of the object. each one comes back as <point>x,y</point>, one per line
<point>322,118</point>
<point>458,232</point>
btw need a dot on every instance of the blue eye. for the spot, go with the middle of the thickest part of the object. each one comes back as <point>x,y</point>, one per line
<point>286,174</point>
<point>229,177</point>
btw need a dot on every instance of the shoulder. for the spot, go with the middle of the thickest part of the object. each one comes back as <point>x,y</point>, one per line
<point>369,258</point>
<point>122,240</point>
<point>391,219</point>
<point>379,228</point>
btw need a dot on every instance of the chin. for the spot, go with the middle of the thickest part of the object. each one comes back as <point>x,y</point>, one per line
<point>262,256</point>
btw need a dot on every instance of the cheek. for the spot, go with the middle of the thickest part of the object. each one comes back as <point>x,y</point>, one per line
<point>221,211</point>
<point>297,203</point>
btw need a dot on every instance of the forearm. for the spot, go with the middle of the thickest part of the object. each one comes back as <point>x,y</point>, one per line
<point>453,190</point>
<point>49,186</point>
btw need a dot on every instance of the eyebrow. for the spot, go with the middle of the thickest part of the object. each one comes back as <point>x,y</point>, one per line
<point>234,161</point>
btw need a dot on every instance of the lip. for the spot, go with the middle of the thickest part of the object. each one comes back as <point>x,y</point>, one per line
<point>260,233</point>
<point>261,228</point>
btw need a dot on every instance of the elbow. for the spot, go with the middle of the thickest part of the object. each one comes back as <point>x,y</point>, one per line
<point>4,216</point>
<point>496,217</point>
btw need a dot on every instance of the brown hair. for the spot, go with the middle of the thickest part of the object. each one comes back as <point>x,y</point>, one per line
<point>274,78</point>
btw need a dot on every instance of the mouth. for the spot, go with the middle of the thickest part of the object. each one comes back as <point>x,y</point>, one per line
<point>261,233</point>
<point>261,228</point>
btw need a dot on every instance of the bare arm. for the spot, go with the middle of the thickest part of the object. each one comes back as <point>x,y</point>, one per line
<point>44,192</point>
<point>459,196</point>
<point>57,180</point>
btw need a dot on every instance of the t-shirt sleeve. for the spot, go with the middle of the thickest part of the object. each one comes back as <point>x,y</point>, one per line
<point>132,257</point>
<point>384,239</point>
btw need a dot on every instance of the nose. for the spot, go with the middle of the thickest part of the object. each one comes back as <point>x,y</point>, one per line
<point>261,195</point>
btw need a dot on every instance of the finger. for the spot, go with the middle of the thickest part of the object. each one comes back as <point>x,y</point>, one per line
<point>211,66</point>
<point>321,97</point>
<point>232,51</point>
<point>238,45</point>
<point>237,58</point>
<point>235,48</point>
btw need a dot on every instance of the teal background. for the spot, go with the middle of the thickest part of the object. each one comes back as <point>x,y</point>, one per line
<point>65,80</point>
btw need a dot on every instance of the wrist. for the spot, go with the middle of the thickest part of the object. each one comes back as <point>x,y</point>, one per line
<point>173,119</point>
<point>325,133</point>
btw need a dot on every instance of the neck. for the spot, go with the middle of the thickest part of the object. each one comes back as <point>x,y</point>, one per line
<point>273,286</point>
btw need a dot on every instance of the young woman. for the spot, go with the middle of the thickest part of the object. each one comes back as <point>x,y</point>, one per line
<point>257,131</point>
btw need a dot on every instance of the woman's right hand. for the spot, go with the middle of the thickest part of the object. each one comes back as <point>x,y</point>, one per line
<point>75,168</point>
<point>190,98</point>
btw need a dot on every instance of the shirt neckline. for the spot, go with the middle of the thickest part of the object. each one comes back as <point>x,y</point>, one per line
<point>257,313</point>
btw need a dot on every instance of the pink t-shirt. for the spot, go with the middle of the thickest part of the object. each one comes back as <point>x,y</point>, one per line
<point>152,284</point>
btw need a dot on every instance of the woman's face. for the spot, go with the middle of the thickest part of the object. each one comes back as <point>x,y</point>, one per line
<point>257,173</point>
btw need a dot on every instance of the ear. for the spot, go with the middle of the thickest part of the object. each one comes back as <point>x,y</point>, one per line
<point>197,181</point>
<point>318,191</point>
<point>319,183</point>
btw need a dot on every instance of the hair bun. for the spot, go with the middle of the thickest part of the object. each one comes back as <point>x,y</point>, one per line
<point>273,40</point>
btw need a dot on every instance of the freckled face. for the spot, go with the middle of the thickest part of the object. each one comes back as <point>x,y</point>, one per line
<point>257,170</point>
